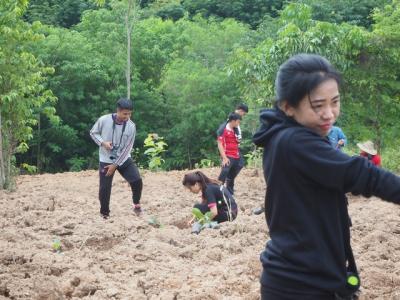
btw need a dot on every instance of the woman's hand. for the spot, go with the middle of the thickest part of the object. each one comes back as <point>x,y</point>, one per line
<point>191,221</point>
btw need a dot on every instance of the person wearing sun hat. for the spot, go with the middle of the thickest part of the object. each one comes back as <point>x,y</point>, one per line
<point>369,152</point>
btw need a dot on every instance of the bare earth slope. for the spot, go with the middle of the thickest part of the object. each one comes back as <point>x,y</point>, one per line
<point>127,258</point>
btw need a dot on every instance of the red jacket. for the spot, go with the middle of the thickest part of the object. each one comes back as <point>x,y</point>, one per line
<point>375,159</point>
<point>229,142</point>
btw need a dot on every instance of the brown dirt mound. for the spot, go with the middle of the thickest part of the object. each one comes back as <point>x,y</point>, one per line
<point>125,257</point>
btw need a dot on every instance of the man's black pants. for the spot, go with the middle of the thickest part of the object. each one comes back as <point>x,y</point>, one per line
<point>130,172</point>
<point>229,173</point>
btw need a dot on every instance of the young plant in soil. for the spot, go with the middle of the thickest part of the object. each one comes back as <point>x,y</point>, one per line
<point>56,245</point>
<point>202,221</point>
<point>153,221</point>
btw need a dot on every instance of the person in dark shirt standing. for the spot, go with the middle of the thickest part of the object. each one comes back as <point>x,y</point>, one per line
<point>214,198</point>
<point>228,146</point>
<point>309,255</point>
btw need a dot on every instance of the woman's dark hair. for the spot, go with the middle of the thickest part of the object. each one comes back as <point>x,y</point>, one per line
<point>233,117</point>
<point>124,103</point>
<point>191,179</point>
<point>300,74</point>
<point>243,107</point>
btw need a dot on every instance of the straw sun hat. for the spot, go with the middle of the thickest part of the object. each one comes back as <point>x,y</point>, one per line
<point>367,147</point>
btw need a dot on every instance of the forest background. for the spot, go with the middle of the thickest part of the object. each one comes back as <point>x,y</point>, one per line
<point>64,63</point>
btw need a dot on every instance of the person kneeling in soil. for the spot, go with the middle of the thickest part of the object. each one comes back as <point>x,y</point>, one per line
<point>215,198</point>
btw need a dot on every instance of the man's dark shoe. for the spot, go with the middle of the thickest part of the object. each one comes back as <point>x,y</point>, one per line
<point>104,216</point>
<point>137,209</point>
<point>258,210</point>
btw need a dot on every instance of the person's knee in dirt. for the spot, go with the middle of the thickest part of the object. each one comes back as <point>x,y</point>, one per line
<point>217,203</point>
<point>115,135</point>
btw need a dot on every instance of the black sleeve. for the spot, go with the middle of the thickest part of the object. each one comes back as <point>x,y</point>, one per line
<point>211,193</point>
<point>315,158</point>
<point>220,129</point>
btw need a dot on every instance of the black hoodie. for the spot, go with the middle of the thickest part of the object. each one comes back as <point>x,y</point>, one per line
<point>305,204</point>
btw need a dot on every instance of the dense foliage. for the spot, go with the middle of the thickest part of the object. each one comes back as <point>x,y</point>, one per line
<point>191,62</point>
<point>24,98</point>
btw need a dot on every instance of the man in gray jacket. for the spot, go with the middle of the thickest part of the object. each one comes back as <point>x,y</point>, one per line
<point>115,135</point>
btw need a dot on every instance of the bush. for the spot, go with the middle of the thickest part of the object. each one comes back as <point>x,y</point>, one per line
<point>76,164</point>
<point>391,159</point>
<point>155,148</point>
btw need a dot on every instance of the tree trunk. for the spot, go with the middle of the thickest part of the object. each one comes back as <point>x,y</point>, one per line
<point>128,49</point>
<point>2,169</point>
<point>130,20</point>
<point>39,150</point>
<point>189,156</point>
<point>377,123</point>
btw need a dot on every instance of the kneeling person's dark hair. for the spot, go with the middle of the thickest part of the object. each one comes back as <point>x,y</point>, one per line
<point>234,117</point>
<point>124,103</point>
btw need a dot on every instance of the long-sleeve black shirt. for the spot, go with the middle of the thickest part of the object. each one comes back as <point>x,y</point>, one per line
<point>305,204</point>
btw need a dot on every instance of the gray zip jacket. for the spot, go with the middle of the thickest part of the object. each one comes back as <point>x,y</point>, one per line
<point>102,131</point>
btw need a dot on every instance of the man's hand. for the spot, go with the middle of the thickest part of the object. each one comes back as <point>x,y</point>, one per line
<point>225,161</point>
<point>107,145</point>
<point>110,169</point>
<point>341,142</point>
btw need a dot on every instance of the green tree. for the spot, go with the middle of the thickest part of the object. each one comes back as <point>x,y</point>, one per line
<point>197,90</point>
<point>369,62</point>
<point>248,11</point>
<point>255,69</point>
<point>165,9</point>
<point>89,64</point>
<point>22,93</point>
<point>375,86</point>
<point>64,13</point>
<point>87,81</point>
<point>358,12</point>
<point>131,11</point>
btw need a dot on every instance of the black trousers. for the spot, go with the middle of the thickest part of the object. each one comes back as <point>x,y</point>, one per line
<point>272,294</point>
<point>130,172</point>
<point>229,173</point>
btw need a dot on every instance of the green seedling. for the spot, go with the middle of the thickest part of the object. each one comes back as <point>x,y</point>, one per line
<point>202,221</point>
<point>56,245</point>
<point>200,217</point>
<point>153,221</point>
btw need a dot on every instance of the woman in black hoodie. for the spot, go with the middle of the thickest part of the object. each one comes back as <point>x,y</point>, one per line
<point>309,255</point>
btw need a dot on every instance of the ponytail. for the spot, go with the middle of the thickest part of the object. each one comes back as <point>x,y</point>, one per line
<point>191,179</point>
